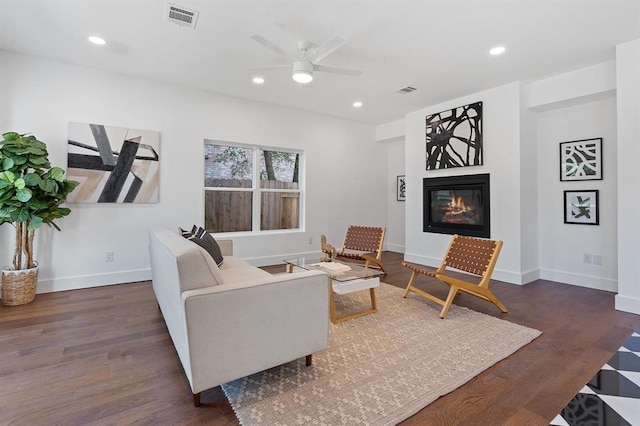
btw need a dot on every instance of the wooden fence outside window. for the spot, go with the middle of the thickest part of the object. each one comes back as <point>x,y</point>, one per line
<point>231,211</point>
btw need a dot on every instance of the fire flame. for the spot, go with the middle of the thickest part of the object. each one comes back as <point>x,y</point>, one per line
<point>457,206</point>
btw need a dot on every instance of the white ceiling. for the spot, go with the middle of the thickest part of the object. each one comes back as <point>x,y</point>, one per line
<point>438,46</point>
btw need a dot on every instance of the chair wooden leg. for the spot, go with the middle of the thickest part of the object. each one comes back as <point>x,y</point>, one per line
<point>448,302</point>
<point>309,360</point>
<point>373,262</point>
<point>410,284</point>
<point>196,399</point>
<point>493,299</point>
<point>372,295</point>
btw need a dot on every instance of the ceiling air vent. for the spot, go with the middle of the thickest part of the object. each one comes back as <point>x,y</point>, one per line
<point>405,90</point>
<point>181,16</point>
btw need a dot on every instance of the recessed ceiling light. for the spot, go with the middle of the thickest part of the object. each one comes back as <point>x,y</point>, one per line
<point>97,40</point>
<point>258,80</point>
<point>357,104</point>
<point>498,50</point>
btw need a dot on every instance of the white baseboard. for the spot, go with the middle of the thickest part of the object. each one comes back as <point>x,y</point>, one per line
<point>519,278</point>
<point>396,248</point>
<point>530,276</point>
<point>422,260</point>
<point>628,304</point>
<point>86,281</point>
<point>588,281</point>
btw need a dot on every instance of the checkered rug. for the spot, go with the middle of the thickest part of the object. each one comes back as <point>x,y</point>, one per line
<point>612,396</point>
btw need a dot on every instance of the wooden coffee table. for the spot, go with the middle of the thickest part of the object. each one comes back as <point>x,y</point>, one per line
<point>357,278</point>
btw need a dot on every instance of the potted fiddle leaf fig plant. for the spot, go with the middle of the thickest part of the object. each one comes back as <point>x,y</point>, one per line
<point>31,194</point>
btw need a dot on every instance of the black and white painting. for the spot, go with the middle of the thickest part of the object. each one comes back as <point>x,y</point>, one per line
<point>401,188</point>
<point>113,164</point>
<point>454,137</point>
<point>581,160</point>
<point>581,207</point>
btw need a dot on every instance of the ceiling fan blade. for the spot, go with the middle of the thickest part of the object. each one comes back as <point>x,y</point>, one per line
<point>337,70</point>
<point>326,49</point>
<point>270,67</point>
<point>273,47</point>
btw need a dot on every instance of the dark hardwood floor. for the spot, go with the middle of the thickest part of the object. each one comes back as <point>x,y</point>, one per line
<point>103,356</point>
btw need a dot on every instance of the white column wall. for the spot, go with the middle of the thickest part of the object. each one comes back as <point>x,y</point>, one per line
<point>344,167</point>
<point>501,127</point>
<point>529,220</point>
<point>628,107</point>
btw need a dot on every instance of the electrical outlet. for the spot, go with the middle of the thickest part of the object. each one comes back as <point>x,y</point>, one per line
<point>587,258</point>
<point>310,240</point>
<point>108,256</point>
<point>597,259</point>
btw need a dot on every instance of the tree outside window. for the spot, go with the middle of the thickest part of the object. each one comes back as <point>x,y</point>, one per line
<point>251,188</point>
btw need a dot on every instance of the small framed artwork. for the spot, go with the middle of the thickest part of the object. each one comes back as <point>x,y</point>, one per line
<point>401,189</point>
<point>581,207</point>
<point>581,160</point>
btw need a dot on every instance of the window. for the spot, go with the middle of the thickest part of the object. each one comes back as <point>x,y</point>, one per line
<point>250,188</point>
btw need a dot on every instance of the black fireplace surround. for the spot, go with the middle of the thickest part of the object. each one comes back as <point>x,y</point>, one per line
<point>457,205</point>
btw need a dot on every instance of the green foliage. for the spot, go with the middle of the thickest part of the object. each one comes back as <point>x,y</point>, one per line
<point>237,157</point>
<point>31,191</point>
<point>240,164</point>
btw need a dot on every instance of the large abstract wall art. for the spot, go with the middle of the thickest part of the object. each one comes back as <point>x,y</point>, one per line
<point>113,164</point>
<point>454,137</point>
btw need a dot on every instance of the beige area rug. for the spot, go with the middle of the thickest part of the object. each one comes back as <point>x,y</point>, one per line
<point>381,368</point>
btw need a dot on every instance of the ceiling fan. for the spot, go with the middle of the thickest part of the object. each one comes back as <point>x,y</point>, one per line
<point>308,60</point>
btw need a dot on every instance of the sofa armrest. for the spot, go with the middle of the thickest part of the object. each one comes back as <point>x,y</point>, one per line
<point>242,328</point>
<point>226,247</point>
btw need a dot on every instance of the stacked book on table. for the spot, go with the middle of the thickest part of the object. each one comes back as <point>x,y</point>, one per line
<point>333,267</point>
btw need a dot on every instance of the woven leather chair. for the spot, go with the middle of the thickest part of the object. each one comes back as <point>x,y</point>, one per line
<point>477,256</point>
<point>364,243</point>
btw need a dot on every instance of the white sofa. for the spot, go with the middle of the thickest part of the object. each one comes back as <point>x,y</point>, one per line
<point>234,320</point>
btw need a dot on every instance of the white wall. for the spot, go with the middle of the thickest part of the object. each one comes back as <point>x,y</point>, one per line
<point>344,169</point>
<point>572,106</point>
<point>529,219</point>
<point>572,87</point>
<point>394,238</point>
<point>501,128</point>
<point>392,136</point>
<point>628,108</point>
<point>562,245</point>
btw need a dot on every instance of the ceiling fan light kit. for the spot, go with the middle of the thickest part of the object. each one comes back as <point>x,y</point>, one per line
<point>302,72</point>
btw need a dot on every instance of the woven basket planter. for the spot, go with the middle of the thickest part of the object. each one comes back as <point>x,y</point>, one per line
<point>19,287</point>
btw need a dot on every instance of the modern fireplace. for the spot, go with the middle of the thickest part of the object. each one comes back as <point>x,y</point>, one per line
<point>457,205</point>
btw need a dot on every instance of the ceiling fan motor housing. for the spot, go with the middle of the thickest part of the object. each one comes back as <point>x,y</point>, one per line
<point>302,66</point>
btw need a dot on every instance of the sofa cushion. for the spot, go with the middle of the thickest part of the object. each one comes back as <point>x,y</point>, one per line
<point>236,270</point>
<point>207,242</point>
